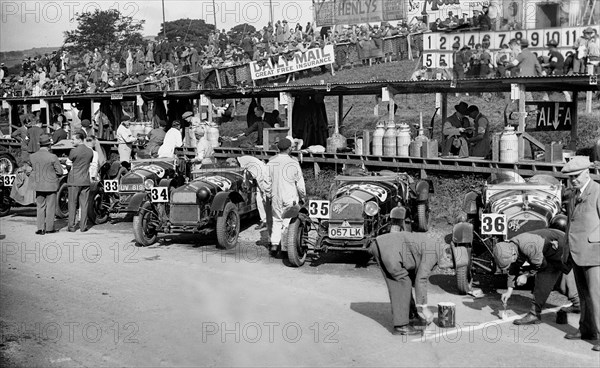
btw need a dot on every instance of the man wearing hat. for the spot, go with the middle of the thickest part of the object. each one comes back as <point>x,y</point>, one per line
<point>459,61</point>
<point>455,132</point>
<point>172,140</point>
<point>125,140</point>
<point>285,187</point>
<point>191,123</point>
<point>78,181</point>
<point>583,234</point>
<point>581,50</point>
<point>547,253</point>
<point>556,60</point>
<point>400,254</point>
<point>46,171</point>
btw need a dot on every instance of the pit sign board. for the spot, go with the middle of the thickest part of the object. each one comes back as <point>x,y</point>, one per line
<point>553,116</point>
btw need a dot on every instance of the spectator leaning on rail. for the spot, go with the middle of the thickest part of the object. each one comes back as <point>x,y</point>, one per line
<point>547,253</point>
<point>583,233</point>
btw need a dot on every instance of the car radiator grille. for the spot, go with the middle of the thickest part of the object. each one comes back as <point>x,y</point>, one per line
<point>346,210</point>
<point>184,214</point>
<point>184,197</point>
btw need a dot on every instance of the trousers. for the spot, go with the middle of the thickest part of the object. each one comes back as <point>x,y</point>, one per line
<point>46,208</point>
<point>544,283</point>
<point>588,286</point>
<point>124,152</point>
<point>568,287</point>
<point>78,196</point>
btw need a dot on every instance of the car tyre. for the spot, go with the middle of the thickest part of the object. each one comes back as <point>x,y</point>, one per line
<point>228,227</point>
<point>5,204</point>
<point>62,201</point>
<point>8,165</point>
<point>423,217</point>
<point>294,243</point>
<point>464,276</point>
<point>143,229</point>
<point>98,210</point>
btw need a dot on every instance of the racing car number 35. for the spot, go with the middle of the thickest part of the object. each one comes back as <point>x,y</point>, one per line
<point>318,209</point>
<point>493,224</point>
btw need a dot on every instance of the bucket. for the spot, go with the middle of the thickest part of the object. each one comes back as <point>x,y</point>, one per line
<point>509,145</point>
<point>446,315</point>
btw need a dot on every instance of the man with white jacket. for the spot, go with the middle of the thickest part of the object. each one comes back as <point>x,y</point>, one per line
<point>172,141</point>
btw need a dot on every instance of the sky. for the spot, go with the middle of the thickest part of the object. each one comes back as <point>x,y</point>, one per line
<point>26,24</point>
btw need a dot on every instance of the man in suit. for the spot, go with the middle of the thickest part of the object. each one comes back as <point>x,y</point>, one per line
<point>583,233</point>
<point>79,181</point>
<point>406,259</point>
<point>547,253</point>
<point>33,137</point>
<point>46,171</point>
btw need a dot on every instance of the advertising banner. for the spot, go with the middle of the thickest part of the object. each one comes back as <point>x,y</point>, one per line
<point>299,61</point>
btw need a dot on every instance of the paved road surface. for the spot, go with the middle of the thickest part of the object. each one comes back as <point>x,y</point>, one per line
<point>74,299</point>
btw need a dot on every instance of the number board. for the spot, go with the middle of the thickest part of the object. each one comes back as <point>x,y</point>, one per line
<point>159,194</point>
<point>111,186</point>
<point>493,224</point>
<point>318,209</point>
<point>8,180</point>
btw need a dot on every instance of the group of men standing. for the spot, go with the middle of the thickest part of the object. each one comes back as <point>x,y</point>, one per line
<point>463,139</point>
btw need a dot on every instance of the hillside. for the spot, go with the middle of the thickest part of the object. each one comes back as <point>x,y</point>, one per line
<point>12,58</point>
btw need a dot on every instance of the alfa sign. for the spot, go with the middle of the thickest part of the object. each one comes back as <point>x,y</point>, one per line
<point>300,61</point>
<point>553,116</point>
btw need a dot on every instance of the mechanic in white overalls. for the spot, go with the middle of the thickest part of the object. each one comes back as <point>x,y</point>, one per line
<point>286,188</point>
<point>260,173</point>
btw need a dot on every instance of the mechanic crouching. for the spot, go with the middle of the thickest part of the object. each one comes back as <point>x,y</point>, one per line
<point>406,259</point>
<point>547,252</point>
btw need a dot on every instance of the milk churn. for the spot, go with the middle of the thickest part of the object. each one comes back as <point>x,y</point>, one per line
<point>403,140</point>
<point>389,140</point>
<point>378,139</point>
<point>509,145</point>
<point>212,135</point>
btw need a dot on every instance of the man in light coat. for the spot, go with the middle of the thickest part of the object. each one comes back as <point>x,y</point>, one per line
<point>260,173</point>
<point>285,188</point>
<point>172,141</point>
<point>46,171</point>
<point>125,141</point>
<point>583,233</point>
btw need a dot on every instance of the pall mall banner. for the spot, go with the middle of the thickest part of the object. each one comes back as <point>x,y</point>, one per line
<point>342,12</point>
<point>298,61</point>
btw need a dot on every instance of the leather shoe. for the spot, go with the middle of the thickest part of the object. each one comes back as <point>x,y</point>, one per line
<point>84,230</point>
<point>529,319</point>
<point>405,330</point>
<point>579,336</point>
<point>596,347</point>
<point>71,229</point>
<point>40,232</point>
<point>51,231</point>
<point>571,309</point>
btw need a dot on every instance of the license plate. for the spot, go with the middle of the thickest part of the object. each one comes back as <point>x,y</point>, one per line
<point>131,188</point>
<point>346,232</point>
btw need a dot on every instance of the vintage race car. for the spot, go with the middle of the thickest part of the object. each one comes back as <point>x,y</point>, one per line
<point>215,199</point>
<point>360,208</point>
<point>120,192</point>
<point>506,206</point>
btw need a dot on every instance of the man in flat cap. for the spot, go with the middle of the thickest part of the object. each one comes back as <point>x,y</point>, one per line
<point>285,187</point>
<point>46,171</point>
<point>547,253</point>
<point>583,234</point>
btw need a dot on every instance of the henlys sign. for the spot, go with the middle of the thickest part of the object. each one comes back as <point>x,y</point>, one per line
<point>553,116</point>
<point>291,63</point>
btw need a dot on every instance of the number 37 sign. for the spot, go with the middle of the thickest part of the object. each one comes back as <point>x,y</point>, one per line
<point>493,224</point>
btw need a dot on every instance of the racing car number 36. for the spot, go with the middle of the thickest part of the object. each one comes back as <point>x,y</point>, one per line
<point>493,224</point>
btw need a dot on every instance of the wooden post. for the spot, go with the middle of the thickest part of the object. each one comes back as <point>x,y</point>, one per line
<point>341,108</point>
<point>47,115</point>
<point>574,135</point>
<point>210,110</point>
<point>588,94</point>
<point>444,113</point>
<point>522,117</point>
<point>391,106</point>
<point>218,78</point>
<point>290,107</point>
<point>10,122</point>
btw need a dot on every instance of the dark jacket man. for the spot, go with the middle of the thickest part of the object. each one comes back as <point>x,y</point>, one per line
<point>46,171</point>
<point>399,255</point>
<point>34,133</point>
<point>79,181</point>
<point>480,143</point>
<point>455,132</point>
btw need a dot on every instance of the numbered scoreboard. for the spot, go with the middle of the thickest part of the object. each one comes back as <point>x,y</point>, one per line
<point>437,47</point>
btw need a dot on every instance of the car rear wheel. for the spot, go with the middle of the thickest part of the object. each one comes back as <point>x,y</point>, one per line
<point>144,225</point>
<point>228,227</point>
<point>5,203</point>
<point>62,201</point>
<point>464,276</point>
<point>295,243</point>
<point>99,208</point>
<point>423,217</point>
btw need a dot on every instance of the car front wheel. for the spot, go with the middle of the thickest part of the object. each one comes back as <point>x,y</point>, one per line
<point>228,227</point>
<point>62,201</point>
<point>295,243</point>
<point>464,276</point>
<point>145,225</point>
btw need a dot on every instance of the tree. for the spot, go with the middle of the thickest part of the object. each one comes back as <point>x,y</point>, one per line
<point>191,31</point>
<point>104,28</point>
<point>237,32</point>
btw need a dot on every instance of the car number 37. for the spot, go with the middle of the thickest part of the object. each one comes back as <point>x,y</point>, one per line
<point>318,209</point>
